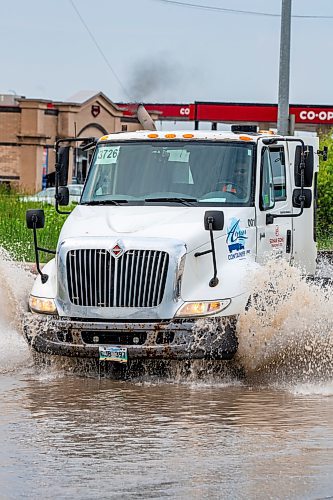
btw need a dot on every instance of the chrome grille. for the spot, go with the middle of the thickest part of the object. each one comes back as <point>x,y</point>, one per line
<point>136,279</point>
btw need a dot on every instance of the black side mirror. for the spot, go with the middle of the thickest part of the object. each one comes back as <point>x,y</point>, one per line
<point>309,164</point>
<point>35,219</point>
<point>63,196</point>
<point>214,220</point>
<point>307,193</point>
<point>62,165</point>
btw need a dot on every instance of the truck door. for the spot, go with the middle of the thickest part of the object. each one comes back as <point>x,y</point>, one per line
<point>273,196</point>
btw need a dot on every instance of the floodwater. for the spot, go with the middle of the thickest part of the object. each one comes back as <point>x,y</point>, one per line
<point>265,431</point>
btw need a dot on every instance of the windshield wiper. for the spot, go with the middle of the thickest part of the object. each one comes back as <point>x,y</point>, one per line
<point>183,201</point>
<point>105,202</point>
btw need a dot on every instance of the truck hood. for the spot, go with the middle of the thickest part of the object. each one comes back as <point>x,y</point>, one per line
<point>182,223</point>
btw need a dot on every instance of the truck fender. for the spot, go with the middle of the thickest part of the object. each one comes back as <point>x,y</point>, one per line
<point>48,289</point>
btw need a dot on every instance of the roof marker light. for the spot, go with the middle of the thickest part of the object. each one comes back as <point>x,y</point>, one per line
<point>188,136</point>
<point>270,132</point>
<point>152,136</point>
<point>245,138</point>
<point>104,138</point>
<point>170,136</point>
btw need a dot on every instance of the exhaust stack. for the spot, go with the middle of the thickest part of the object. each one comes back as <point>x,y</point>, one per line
<point>144,118</point>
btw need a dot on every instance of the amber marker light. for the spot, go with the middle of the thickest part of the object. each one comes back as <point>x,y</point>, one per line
<point>214,306</point>
<point>152,136</point>
<point>245,138</point>
<point>170,136</point>
<point>188,136</point>
<point>268,132</point>
<point>104,138</point>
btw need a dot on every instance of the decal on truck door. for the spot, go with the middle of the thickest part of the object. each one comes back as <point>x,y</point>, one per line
<point>236,240</point>
<point>278,240</point>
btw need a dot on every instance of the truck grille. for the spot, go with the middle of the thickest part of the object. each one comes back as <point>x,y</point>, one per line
<point>136,279</point>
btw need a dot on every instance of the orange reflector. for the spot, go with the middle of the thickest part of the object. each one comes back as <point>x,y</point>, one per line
<point>245,138</point>
<point>270,132</point>
<point>152,136</point>
<point>188,136</point>
<point>170,136</point>
<point>104,138</point>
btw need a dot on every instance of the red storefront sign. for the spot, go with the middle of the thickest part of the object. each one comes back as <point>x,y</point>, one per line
<point>236,112</point>
<point>313,114</point>
<point>165,111</point>
<point>173,111</point>
<point>225,112</point>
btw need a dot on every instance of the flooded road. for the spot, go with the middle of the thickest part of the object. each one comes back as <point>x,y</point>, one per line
<point>266,435</point>
<point>65,437</point>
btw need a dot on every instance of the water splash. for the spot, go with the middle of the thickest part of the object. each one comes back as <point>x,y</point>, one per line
<point>312,389</point>
<point>15,283</point>
<point>287,332</point>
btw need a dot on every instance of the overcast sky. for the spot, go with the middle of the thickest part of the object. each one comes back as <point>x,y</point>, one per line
<point>163,53</point>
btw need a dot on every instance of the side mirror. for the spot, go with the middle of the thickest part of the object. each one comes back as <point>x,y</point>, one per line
<point>35,218</point>
<point>62,165</point>
<point>309,164</point>
<point>214,220</point>
<point>307,193</point>
<point>63,196</point>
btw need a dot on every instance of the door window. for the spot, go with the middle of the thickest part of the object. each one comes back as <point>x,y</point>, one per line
<point>267,199</point>
<point>279,173</point>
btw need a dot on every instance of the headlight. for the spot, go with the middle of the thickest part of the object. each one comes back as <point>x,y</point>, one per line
<point>202,308</point>
<point>42,305</point>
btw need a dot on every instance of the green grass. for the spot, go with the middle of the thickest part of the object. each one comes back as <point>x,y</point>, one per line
<point>325,242</point>
<point>14,235</point>
<point>18,240</point>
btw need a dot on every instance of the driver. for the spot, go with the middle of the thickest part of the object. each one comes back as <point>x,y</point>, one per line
<point>238,183</point>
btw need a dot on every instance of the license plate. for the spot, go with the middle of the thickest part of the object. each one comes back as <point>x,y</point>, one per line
<point>113,353</point>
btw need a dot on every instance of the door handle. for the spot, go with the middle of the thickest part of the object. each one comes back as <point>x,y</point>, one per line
<point>288,241</point>
<point>262,235</point>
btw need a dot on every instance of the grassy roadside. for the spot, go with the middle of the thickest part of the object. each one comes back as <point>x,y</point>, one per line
<point>18,240</point>
<point>325,242</point>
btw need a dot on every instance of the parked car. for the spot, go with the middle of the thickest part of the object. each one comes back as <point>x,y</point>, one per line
<point>47,195</point>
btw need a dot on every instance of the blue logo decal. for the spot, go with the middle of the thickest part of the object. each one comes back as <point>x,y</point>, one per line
<point>236,240</point>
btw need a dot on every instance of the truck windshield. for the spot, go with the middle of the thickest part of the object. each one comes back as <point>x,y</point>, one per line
<point>188,173</point>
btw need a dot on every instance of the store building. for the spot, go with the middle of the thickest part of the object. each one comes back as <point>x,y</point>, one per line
<point>30,127</point>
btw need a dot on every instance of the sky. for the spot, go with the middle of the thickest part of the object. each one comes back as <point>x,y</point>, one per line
<point>154,51</point>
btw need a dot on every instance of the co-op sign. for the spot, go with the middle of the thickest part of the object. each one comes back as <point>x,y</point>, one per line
<point>209,112</point>
<point>243,112</point>
<point>312,115</point>
<point>185,111</point>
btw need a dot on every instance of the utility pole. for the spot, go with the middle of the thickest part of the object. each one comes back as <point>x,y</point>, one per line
<point>283,106</point>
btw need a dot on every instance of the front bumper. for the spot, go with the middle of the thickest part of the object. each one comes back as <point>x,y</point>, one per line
<point>209,338</point>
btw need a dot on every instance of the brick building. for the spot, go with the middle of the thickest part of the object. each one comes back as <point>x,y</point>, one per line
<point>30,127</point>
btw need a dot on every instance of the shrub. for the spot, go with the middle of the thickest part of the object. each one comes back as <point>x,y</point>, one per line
<point>325,194</point>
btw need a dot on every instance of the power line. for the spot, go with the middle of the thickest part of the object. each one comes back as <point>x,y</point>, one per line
<point>234,11</point>
<point>100,49</point>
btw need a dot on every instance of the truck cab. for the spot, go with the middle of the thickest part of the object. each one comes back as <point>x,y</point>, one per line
<point>167,230</point>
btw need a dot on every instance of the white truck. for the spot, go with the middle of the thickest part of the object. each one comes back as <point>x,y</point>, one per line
<point>167,229</point>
